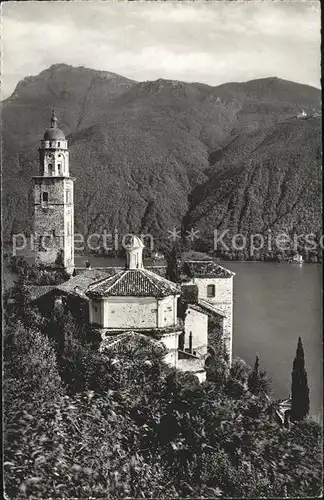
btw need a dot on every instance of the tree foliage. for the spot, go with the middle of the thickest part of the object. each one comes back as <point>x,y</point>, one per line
<point>258,381</point>
<point>299,386</point>
<point>38,274</point>
<point>121,424</point>
<point>173,270</point>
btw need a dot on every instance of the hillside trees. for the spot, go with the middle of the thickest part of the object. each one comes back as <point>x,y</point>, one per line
<point>173,270</point>
<point>121,424</point>
<point>258,381</point>
<point>152,156</point>
<point>152,434</point>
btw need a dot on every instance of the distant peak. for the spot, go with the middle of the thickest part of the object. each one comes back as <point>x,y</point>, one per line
<point>69,69</point>
<point>56,67</point>
<point>267,79</point>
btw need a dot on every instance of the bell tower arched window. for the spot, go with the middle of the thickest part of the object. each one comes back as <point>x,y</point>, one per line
<point>50,169</point>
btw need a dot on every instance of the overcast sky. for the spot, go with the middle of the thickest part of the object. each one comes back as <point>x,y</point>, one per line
<point>211,42</point>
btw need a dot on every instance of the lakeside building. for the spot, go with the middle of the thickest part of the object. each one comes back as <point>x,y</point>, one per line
<point>189,318</point>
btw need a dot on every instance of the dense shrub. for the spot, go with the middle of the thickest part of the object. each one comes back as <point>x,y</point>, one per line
<point>121,424</point>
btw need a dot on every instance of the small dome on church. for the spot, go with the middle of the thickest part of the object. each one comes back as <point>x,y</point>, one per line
<point>132,242</point>
<point>54,133</point>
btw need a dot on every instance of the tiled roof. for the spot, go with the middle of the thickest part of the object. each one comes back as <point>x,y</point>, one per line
<point>197,308</point>
<point>109,270</point>
<point>160,270</point>
<point>206,308</point>
<point>210,307</point>
<point>80,283</point>
<point>38,291</point>
<point>134,283</point>
<point>205,269</point>
<point>110,341</point>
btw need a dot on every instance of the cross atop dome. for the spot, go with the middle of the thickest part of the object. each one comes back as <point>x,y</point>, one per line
<point>53,132</point>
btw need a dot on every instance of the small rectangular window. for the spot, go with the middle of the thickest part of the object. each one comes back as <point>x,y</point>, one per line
<point>45,197</point>
<point>210,290</point>
<point>58,144</point>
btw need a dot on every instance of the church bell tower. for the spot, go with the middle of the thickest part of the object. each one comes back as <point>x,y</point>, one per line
<point>53,202</point>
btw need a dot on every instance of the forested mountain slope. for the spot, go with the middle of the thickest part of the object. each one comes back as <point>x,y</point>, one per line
<point>154,155</point>
<point>266,180</point>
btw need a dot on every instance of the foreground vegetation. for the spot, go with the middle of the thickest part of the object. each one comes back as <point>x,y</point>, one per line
<point>82,424</point>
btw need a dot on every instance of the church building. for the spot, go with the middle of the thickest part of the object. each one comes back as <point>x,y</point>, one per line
<point>188,317</point>
<point>53,202</point>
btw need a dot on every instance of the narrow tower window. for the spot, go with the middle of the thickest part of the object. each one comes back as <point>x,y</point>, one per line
<point>50,169</point>
<point>45,197</point>
<point>58,144</point>
<point>210,290</point>
<point>59,169</point>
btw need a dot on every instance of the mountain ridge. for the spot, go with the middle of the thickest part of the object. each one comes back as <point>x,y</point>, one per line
<point>143,151</point>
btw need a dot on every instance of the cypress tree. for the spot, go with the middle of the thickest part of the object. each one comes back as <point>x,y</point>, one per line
<point>299,386</point>
<point>172,264</point>
<point>258,382</point>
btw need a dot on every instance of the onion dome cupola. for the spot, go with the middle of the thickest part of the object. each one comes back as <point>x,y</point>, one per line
<point>54,137</point>
<point>53,151</point>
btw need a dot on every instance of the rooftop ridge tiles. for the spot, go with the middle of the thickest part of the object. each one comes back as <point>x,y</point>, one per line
<point>211,307</point>
<point>75,280</point>
<point>93,286</point>
<point>146,273</point>
<point>102,279</point>
<point>122,274</point>
<point>162,279</point>
<point>204,263</point>
<point>134,282</point>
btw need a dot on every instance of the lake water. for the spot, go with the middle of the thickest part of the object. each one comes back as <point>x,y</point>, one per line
<point>274,304</point>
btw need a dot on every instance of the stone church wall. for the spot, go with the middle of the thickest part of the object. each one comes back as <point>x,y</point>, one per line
<point>54,221</point>
<point>167,312</point>
<point>130,312</point>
